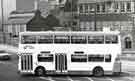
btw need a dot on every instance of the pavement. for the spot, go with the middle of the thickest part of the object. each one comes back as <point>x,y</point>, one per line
<point>9,48</point>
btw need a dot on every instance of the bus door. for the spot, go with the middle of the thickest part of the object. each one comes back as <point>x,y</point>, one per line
<point>61,62</point>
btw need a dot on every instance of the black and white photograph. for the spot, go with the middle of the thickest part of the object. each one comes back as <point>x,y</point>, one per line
<point>67,40</point>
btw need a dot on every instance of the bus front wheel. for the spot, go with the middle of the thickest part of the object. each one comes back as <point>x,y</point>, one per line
<point>40,71</point>
<point>98,71</point>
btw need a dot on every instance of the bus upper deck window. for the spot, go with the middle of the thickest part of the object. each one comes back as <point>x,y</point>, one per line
<point>111,39</point>
<point>78,40</point>
<point>96,39</point>
<point>45,39</point>
<point>62,39</point>
<point>28,39</point>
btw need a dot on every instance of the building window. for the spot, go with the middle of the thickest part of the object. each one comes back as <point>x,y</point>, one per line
<point>86,26</point>
<point>86,8</point>
<point>128,43</point>
<point>103,7</point>
<point>6,28</point>
<point>98,8</point>
<point>92,7</point>
<point>81,8</point>
<point>129,6</point>
<point>83,26</point>
<point>116,7</point>
<point>9,28</point>
<point>122,6</point>
<point>22,28</point>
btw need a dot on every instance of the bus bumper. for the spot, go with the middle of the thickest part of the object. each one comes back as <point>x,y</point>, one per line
<point>25,72</point>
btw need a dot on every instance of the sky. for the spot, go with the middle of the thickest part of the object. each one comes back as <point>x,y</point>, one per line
<point>8,6</point>
<point>11,5</point>
<point>25,4</point>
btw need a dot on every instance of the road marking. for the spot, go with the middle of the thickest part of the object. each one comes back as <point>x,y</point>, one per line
<point>129,78</point>
<point>43,78</point>
<point>131,73</point>
<point>90,79</point>
<point>108,78</point>
<point>70,79</point>
<point>48,78</point>
<point>60,78</point>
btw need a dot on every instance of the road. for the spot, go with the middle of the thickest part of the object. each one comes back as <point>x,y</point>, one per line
<point>8,72</point>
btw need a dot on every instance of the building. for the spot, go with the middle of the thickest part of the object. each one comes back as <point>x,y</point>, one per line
<point>32,20</point>
<point>94,15</point>
<point>17,23</point>
<point>7,6</point>
<point>18,17</point>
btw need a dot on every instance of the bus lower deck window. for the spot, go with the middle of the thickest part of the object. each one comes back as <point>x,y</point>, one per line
<point>78,58</point>
<point>108,58</point>
<point>45,58</point>
<point>95,58</point>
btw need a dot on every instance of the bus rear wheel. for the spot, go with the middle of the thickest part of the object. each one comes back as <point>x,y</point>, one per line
<point>40,71</point>
<point>98,71</point>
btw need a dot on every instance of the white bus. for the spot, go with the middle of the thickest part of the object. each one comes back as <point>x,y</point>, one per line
<point>69,53</point>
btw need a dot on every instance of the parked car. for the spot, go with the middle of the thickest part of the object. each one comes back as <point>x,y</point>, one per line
<point>4,55</point>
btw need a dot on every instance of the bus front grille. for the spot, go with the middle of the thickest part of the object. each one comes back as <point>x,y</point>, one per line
<point>26,62</point>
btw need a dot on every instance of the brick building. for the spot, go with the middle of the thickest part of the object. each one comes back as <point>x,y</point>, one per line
<point>93,15</point>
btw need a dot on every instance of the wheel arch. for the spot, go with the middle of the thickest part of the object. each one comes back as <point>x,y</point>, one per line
<point>97,67</point>
<point>39,67</point>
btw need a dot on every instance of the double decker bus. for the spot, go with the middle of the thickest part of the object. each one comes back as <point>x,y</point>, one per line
<point>92,53</point>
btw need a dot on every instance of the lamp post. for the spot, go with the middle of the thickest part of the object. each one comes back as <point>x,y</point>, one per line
<point>72,14</point>
<point>2,21</point>
<point>133,24</point>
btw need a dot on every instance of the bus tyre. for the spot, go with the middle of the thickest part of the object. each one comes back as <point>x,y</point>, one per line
<point>116,73</point>
<point>40,71</point>
<point>98,71</point>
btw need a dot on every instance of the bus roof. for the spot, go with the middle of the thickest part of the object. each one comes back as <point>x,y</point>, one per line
<point>70,32</point>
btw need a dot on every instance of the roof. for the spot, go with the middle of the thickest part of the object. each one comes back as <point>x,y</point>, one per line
<point>22,11</point>
<point>19,20</point>
<point>71,32</point>
<point>96,1</point>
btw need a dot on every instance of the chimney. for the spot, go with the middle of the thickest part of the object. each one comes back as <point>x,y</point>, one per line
<point>36,4</point>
